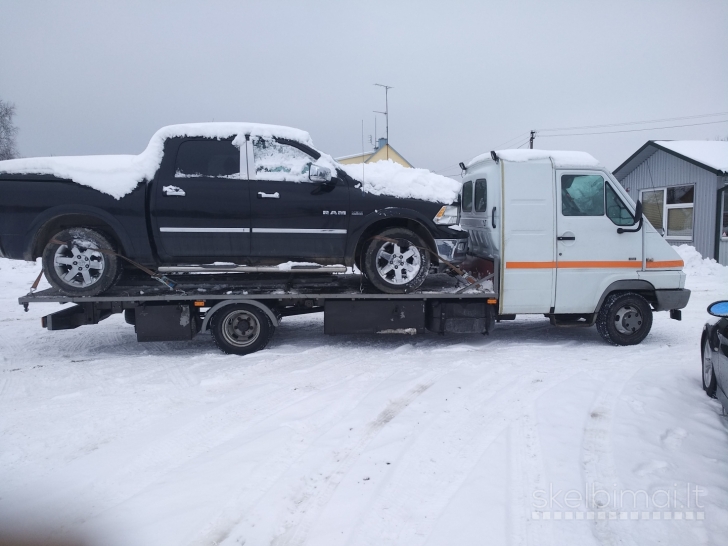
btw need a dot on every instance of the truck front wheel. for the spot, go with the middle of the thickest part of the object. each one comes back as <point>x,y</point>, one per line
<point>80,262</point>
<point>396,261</point>
<point>624,319</point>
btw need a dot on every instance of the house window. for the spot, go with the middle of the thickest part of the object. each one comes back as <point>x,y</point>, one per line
<point>670,211</point>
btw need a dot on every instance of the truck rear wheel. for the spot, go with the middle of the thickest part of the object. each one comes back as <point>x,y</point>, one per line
<point>241,329</point>
<point>396,261</point>
<point>74,263</point>
<point>624,319</point>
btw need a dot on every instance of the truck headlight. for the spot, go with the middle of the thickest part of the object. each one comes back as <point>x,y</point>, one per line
<point>447,215</point>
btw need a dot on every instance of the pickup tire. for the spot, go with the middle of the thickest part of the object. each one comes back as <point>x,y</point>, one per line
<point>396,261</point>
<point>624,319</point>
<point>80,262</point>
<point>710,385</point>
<point>241,329</point>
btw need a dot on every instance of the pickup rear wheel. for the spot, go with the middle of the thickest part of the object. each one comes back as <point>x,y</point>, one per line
<point>79,262</point>
<point>624,319</point>
<point>241,329</point>
<point>396,261</point>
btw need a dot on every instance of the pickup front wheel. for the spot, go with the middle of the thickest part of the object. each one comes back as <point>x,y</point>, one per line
<point>396,261</point>
<point>80,262</point>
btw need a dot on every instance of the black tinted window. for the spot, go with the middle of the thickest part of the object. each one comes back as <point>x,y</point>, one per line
<point>207,158</point>
<point>481,196</point>
<point>468,196</point>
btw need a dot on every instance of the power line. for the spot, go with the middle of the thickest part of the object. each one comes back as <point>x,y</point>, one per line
<point>636,130</point>
<point>634,122</point>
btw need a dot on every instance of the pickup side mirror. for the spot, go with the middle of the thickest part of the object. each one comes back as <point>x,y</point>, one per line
<point>718,309</point>
<point>637,220</point>
<point>319,174</point>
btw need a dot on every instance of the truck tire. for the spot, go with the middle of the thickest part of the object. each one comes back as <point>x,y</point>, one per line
<point>241,329</point>
<point>73,264</point>
<point>624,319</point>
<point>396,262</point>
<point>710,384</point>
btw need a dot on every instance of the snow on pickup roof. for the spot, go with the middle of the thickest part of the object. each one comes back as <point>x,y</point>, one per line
<point>390,178</point>
<point>560,158</point>
<point>118,175</point>
<point>712,153</point>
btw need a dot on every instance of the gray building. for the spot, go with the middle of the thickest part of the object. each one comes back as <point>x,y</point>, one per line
<point>683,185</point>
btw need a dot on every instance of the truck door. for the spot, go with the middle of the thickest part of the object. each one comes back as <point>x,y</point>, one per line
<point>293,217</point>
<point>200,208</point>
<point>591,254</point>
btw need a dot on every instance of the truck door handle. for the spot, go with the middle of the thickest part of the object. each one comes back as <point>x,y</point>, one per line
<point>173,190</point>
<point>563,238</point>
<point>263,195</point>
<point>492,218</point>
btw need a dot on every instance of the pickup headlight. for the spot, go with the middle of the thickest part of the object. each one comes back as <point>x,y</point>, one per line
<point>447,216</point>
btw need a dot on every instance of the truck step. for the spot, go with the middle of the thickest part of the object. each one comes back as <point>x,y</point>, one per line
<point>251,269</point>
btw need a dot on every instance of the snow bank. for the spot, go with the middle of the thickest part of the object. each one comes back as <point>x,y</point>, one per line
<point>560,158</point>
<point>713,153</point>
<point>695,264</point>
<point>390,178</point>
<point>118,175</point>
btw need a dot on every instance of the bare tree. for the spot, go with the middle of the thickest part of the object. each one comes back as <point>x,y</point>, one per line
<point>8,131</point>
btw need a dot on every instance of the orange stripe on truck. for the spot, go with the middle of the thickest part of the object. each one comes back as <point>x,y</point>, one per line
<point>594,264</point>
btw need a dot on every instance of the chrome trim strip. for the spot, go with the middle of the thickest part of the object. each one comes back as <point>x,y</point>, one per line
<point>283,230</point>
<point>204,230</point>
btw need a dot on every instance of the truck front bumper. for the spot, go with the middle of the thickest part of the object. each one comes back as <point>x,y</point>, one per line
<point>452,250</point>
<point>671,299</point>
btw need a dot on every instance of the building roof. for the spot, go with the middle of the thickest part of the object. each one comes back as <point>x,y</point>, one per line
<point>711,155</point>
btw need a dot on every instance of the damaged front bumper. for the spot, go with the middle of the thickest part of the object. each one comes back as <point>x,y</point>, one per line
<point>452,250</point>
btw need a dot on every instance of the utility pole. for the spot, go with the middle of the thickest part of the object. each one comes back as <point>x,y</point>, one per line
<point>386,109</point>
<point>530,142</point>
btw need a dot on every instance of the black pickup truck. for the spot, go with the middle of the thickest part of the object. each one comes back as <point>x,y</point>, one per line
<point>246,195</point>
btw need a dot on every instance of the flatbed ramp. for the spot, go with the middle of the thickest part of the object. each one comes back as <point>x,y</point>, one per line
<point>242,314</point>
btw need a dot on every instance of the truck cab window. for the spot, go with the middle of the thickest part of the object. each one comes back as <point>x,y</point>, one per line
<point>616,210</point>
<point>207,158</point>
<point>582,195</point>
<point>280,162</point>
<point>481,195</point>
<point>468,196</point>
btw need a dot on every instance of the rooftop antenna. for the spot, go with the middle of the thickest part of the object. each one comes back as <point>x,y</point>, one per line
<point>386,108</point>
<point>375,125</point>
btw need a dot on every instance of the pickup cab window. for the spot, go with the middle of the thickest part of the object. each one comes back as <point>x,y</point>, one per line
<point>481,195</point>
<point>207,158</point>
<point>582,195</point>
<point>280,162</point>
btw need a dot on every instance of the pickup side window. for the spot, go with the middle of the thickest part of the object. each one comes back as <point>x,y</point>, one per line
<point>280,162</point>
<point>207,158</point>
<point>468,196</point>
<point>481,195</point>
<point>616,210</point>
<point>582,195</point>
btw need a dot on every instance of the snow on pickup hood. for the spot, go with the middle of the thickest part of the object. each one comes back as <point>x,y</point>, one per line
<point>118,175</point>
<point>390,178</point>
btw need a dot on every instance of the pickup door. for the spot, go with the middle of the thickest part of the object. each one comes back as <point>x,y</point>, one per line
<point>200,203</point>
<point>293,217</point>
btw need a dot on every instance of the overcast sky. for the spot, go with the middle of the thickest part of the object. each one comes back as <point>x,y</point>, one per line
<point>97,77</point>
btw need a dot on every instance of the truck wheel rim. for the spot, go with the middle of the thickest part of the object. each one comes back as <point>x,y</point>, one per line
<point>241,328</point>
<point>398,264</point>
<point>78,265</point>
<point>628,320</point>
<point>707,365</point>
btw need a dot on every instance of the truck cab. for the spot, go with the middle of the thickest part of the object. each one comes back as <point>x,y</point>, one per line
<point>565,238</point>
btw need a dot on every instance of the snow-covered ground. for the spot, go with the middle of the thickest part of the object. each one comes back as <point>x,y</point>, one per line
<point>407,440</point>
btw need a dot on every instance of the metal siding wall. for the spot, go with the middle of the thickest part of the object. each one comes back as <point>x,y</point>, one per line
<point>668,170</point>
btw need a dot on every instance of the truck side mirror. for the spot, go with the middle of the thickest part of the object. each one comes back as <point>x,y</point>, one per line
<point>319,174</point>
<point>637,220</point>
<point>718,309</point>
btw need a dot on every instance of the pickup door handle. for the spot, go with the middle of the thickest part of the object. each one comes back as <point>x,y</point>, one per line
<point>263,195</point>
<point>173,190</point>
<point>566,238</point>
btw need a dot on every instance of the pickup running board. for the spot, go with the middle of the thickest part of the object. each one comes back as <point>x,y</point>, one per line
<point>251,269</point>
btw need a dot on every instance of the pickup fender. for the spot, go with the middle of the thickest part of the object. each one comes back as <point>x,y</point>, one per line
<point>35,229</point>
